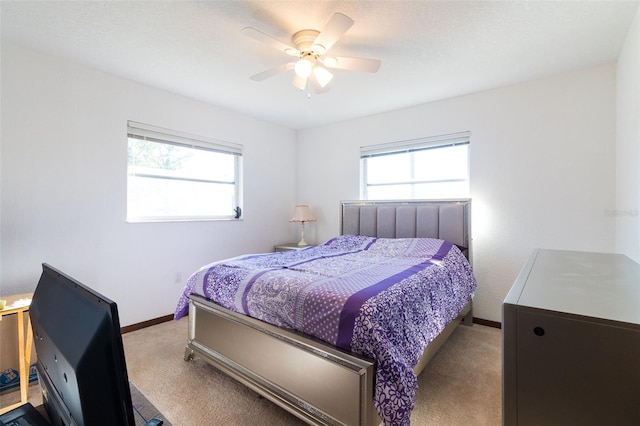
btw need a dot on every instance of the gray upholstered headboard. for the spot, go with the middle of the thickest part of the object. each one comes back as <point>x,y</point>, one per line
<point>444,219</point>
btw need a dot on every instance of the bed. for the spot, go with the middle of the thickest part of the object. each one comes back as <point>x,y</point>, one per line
<point>325,354</point>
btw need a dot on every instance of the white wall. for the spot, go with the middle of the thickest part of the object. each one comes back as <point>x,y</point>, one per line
<point>63,187</point>
<point>542,169</point>
<point>628,146</point>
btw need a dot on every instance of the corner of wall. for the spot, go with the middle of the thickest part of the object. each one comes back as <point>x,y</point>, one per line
<point>627,211</point>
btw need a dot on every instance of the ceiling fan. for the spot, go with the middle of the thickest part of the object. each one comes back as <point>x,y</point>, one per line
<point>311,47</point>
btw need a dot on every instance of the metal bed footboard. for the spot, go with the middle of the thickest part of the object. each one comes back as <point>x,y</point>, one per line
<point>318,383</point>
<point>314,381</point>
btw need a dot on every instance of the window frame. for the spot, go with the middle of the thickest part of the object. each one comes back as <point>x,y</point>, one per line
<point>409,147</point>
<point>164,136</point>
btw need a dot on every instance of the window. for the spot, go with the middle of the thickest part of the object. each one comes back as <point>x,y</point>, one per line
<point>175,176</point>
<point>436,167</point>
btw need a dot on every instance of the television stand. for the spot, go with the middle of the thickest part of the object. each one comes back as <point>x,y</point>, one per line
<point>145,413</point>
<point>151,422</point>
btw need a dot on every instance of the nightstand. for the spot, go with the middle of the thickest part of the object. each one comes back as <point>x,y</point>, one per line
<point>289,247</point>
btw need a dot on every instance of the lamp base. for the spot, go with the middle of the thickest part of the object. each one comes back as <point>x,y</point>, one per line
<point>302,242</point>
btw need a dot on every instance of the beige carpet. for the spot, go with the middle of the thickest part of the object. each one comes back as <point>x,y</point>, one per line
<point>461,385</point>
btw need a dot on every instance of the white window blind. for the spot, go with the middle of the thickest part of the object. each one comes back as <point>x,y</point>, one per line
<point>178,176</point>
<point>433,167</point>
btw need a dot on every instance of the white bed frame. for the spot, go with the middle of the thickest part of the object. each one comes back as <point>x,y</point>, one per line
<point>319,383</point>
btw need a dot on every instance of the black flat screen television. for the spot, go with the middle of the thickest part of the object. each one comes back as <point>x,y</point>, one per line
<point>80,356</point>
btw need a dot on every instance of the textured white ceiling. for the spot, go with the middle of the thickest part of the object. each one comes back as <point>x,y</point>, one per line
<point>429,50</point>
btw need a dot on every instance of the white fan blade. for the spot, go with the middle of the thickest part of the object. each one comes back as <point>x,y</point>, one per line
<point>352,64</point>
<point>317,87</point>
<point>332,31</point>
<point>299,82</point>
<point>273,71</point>
<point>273,42</point>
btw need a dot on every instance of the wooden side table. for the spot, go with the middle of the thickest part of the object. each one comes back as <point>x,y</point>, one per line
<point>25,341</point>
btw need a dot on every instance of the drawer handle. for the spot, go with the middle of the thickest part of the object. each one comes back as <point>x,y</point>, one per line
<point>538,331</point>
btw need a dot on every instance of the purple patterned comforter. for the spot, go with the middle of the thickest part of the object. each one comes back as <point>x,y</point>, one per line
<point>383,298</point>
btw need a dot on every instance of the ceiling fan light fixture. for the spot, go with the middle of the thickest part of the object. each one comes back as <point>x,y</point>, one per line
<point>322,75</point>
<point>311,67</point>
<point>303,68</point>
<point>299,82</point>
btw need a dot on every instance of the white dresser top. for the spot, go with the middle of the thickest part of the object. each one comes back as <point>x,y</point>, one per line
<point>599,285</point>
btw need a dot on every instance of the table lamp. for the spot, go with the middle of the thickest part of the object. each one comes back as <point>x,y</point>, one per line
<point>302,213</point>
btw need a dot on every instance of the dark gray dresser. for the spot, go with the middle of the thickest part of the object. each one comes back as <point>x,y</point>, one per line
<point>571,341</point>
